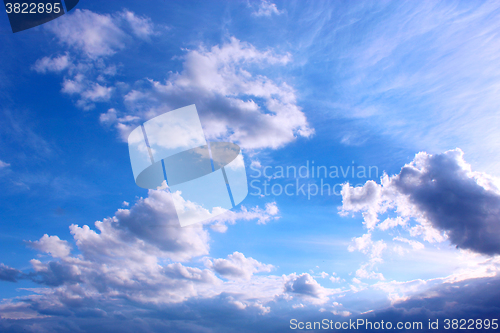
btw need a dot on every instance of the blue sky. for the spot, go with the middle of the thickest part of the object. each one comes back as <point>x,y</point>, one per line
<point>407,88</point>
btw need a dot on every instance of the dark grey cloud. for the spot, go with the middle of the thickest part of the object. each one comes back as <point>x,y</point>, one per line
<point>454,201</point>
<point>9,274</point>
<point>442,190</point>
<point>468,299</point>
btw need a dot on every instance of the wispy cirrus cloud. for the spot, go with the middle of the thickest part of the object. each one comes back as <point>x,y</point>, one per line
<point>266,8</point>
<point>424,73</point>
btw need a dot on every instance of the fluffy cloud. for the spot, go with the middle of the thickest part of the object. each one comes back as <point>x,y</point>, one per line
<point>306,287</point>
<point>237,266</point>
<point>442,195</point>
<point>142,27</point>
<point>233,104</point>
<point>52,244</point>
<point>151,224</point>
<point>52,64</point>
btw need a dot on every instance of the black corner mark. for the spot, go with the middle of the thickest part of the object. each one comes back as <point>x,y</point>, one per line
<point>26,14</point>
<point>70,4</point>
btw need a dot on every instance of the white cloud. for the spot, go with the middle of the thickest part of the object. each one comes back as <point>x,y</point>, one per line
<point>266,8</point>
<point>307,288</point>
<point>93,34</point>
<point>335,279</point>
<point>237,266</point>
<point>98,93</point>
<point>75,85</point>
<point>109,117</point>
<point>152,225</point>
<point>142,27</point>
<point>262,216</point>
<point>52,64</point>
<point>255,164</point>
<point>374,250</point>
<point>4,164</point>
<point>52,244</point>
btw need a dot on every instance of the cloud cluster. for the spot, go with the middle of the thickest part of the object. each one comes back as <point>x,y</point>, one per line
<point>233,104</point>
<point>142,260</point>
<point>89,38</point>
<point>235,101</point>
<point>441,194</point>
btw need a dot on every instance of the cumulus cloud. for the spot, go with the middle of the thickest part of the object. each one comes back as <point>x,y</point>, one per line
<point>441,194</point>
<point>306,287</point>
<point>152,225</point>
<point>52,244</point>
<point>233,104</point>
<point>237,266</point>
